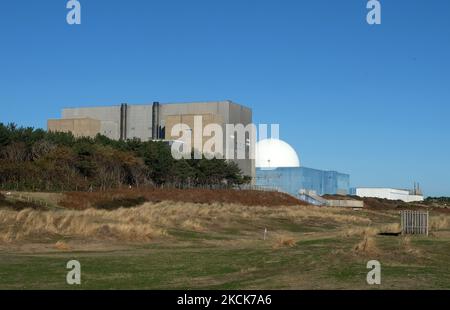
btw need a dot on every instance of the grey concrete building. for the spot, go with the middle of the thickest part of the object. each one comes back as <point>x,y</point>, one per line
<point>153,121</point>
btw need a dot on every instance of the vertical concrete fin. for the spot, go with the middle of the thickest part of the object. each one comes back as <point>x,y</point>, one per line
<point>123,121</point>
<point>155,121</point>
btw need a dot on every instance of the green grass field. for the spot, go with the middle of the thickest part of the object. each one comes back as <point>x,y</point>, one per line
<point>223,248</point>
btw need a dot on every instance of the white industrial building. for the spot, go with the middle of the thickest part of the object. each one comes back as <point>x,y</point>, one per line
<point>389,193</point>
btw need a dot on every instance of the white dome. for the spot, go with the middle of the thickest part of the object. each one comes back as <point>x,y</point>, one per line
<point>274,153</point>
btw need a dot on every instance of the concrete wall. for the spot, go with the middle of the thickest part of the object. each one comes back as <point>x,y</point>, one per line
<point>222,112</point>
<point>195,108</point>
<point>139,117</point>
<point>345,203</point>
<point>241,115</point>
<point>109,118</point>
<point>187,119</point>
<point>387,193</point>
<point>139,120</point>
<point>219,110</point>
<point>80,127</point>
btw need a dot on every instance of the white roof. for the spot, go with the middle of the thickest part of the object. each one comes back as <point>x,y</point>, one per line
<point>274,153</point>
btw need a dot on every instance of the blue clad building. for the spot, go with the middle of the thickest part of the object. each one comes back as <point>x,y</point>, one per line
<point>278,166</point>
<point>293,179</point>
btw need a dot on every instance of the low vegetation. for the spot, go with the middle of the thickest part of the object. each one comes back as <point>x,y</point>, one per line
<point>439,201</point>
<point>36,160</point>
<point>185,245</point>
<point>134,197</point>
<point>151,221</point>
<point>15,204</point>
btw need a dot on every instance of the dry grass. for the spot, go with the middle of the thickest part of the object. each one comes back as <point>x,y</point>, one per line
<point>366,246</point>
<point>152,220</point>
<point>335,215</point>
<point>192,225</point>
<point>86,200</point>
<point>440,222</point>
<point>284,242</point>
<point>408,247</point>
<point>89,224</point>
<point>371,230</point>
<point>50,198</point>
<point>62,246</point>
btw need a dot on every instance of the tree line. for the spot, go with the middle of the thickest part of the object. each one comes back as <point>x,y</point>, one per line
<point>37,160</point>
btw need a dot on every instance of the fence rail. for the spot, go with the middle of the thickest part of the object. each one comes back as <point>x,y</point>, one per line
<point>414,222</point>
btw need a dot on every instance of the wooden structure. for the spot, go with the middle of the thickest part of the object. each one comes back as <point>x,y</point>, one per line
<point>414,222</point>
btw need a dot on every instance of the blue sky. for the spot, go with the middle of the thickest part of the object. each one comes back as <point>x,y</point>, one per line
<point>372,101</point>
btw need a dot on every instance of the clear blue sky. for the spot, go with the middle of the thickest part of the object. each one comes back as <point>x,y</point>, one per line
<point>372,101</point>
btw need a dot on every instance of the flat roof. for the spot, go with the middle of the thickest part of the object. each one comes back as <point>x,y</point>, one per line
<point>149,104</point>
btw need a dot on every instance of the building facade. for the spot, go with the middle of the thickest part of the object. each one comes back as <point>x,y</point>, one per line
<point>155,122</point>
<point>388,193</point>
<point>295,179</point>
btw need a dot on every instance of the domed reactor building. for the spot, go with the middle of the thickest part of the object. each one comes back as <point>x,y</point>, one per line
<point>278,166</point>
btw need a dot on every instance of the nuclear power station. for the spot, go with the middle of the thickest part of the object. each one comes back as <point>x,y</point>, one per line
<point>155,122</point>
<point>276,165</point>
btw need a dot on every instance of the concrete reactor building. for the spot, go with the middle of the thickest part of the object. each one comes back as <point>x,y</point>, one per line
<point>278,166</point>
<point>155,122</point>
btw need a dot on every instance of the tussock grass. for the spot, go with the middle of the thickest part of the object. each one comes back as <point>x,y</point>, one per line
<point>408,247</point>
<point>335,215</point>
<point>439,222</point>
<point>152,220</point>
<point>371,230</point>
<point>88,224</point>
<point>284,242</point>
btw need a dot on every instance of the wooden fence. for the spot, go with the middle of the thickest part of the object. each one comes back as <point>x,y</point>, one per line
<point>414,222</point>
